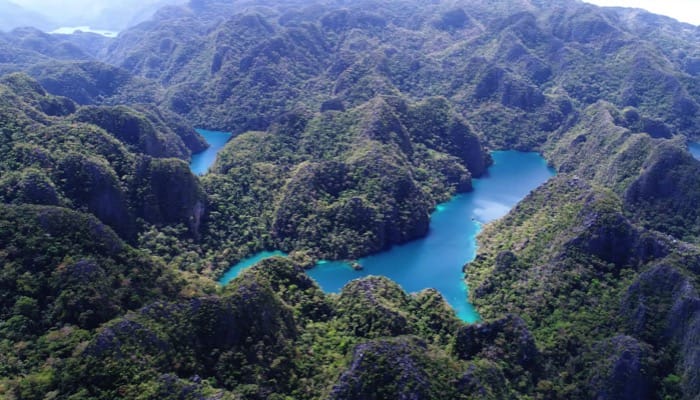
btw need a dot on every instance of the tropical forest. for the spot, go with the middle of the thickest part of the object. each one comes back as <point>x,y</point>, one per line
<point>351,200</point>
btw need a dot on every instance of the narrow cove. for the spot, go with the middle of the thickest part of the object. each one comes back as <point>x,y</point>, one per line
<point>201,162</point>
<point>436,260</point>
<point>694,148</point>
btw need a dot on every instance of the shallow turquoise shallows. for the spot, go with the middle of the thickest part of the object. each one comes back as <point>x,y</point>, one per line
<point>694,148</point>
<point>436,261</point>
<point>202,161</point>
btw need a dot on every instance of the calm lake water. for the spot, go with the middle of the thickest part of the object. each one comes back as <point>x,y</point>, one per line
<point>68,30</point>
<point>202,161</point>
<point>694,148</point>
<point>236,270</point>
<point>436,261</point>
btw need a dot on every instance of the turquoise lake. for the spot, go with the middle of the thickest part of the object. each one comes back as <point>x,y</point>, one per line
<point>436,261</point>
<point>694,148</point>
<point>202,161</point>
<point>236,270</point>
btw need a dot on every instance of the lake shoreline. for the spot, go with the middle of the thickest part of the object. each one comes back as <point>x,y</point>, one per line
<point>437,259</point>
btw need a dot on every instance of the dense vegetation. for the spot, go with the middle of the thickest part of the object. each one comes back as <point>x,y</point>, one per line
<point>342,184</point>
<point>516,70</point>
<point>351,122</point>
<point>56,153</point>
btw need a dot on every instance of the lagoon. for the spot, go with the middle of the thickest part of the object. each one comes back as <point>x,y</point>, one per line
<point>694,149</point>
<point>202,161</point>
<point>436,260</point>
<point>236,270</point>
<point>69,30</point>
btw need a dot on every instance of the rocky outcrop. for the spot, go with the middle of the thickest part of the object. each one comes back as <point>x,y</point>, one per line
<point>243,337</point>
<point>648,302</point>
<point>383,124</point>
<point>135,130</point>
<point>509,90</point>
<point>92,183</point>
<point>166,192</point>
<point>452,20</point>
<point>374,307</point>
<point>434,123</point>
<point>166,121</point>
<point>484,379</point>
<point>623,370</point>
<point>294,287</point>
<point>391,369</point>
<point>573,256</point>
<point>371,203</point>
<point>78,268</point>
<point>91,83</point>
<point>610,236</point>
<point>29,186</point>
<point>504,339</point>
<point>665,191</point>
<point>662,307</point>
<point>685,328</point>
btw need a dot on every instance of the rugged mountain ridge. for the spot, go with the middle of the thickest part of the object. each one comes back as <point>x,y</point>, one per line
<point>346,183</point>
<point>573,257</point>
<point>522,70</point>
<point>574,272</point>
<point>56,153</point>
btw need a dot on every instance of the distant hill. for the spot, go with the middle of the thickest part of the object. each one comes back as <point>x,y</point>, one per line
<point>13,16</point>
<point>124,14</point>
<point>516,70</point>
<point>102,14</point>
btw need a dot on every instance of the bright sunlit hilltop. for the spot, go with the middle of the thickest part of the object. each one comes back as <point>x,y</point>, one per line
<point>682,10</point>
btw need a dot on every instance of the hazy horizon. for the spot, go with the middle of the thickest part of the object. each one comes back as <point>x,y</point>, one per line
<point>98,14</point>
<point>112,15</point>
<point>683,10</point>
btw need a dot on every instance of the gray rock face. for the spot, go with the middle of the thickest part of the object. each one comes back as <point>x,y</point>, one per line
<point>684,325</point>
<point>665,194</point>
<point>507,338</point>
<point>611,237</point>
<point>663,308</point>
<point>170,194</point>
<point>393,367</point>
<point>484,380</point>
<point>649,300</point>
<point>90,183</point>
<point>625,374</point>
<point>468,148</point>
<point>144,132</point>
<point>374,307</point>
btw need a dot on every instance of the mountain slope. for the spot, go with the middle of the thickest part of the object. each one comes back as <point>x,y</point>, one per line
<point>579,274</point>
<point>55,153</point>
<point>351,121</point>
<point>522,70</point>
<point>343,184</point>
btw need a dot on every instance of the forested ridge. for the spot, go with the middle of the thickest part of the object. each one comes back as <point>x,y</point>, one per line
<point>351,121</point>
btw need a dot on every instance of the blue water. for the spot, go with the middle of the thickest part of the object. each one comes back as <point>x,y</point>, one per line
<point>236,270</point>
<point>436,261</point>
<point>202,161</point>
<point>694,148</point>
